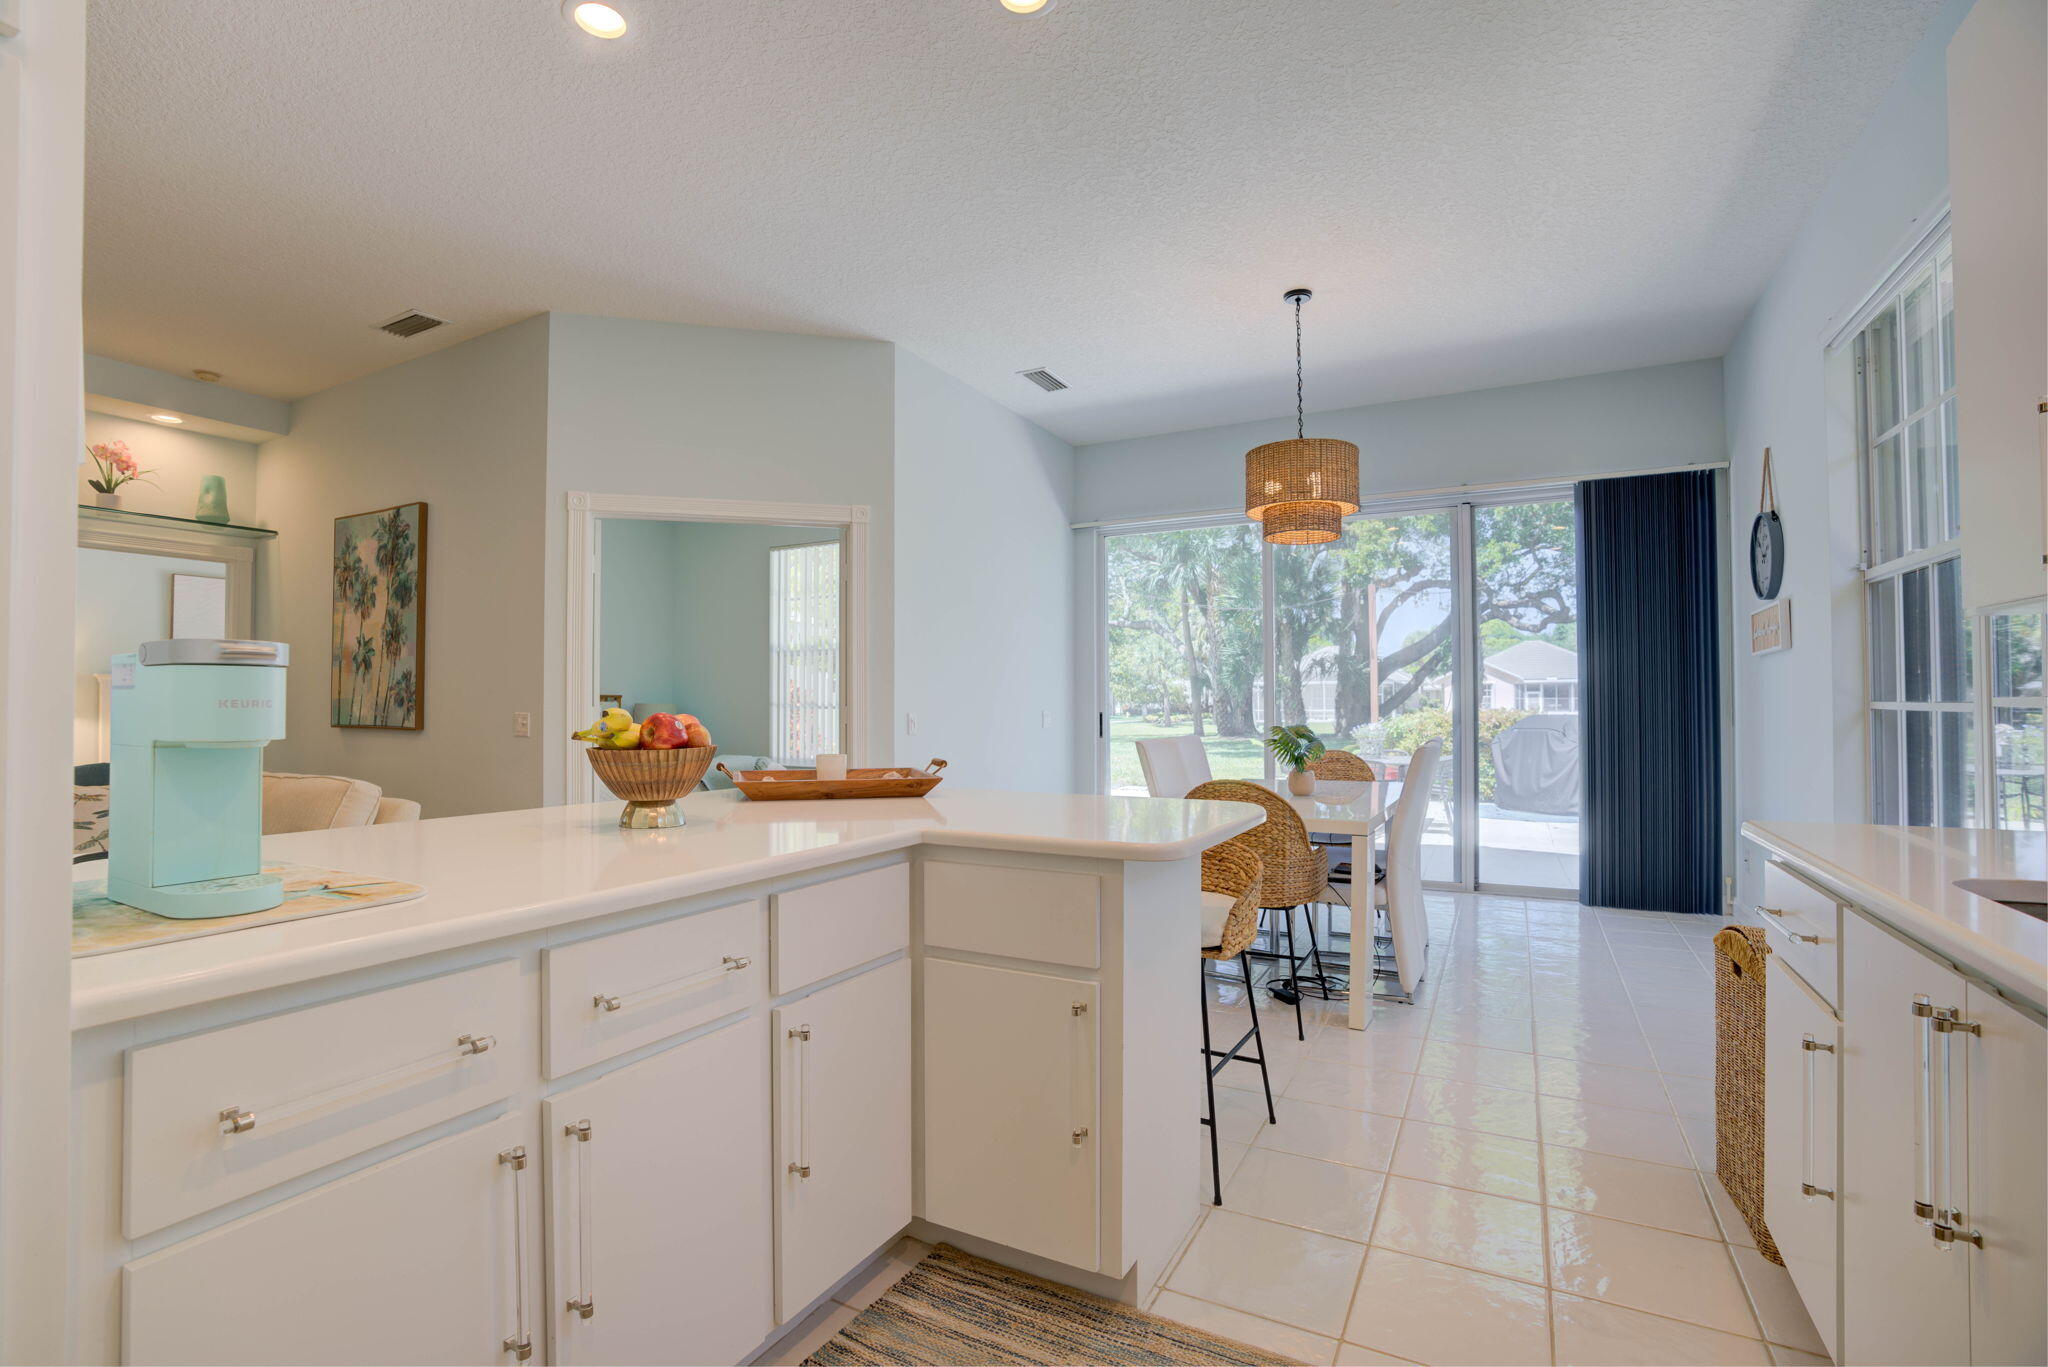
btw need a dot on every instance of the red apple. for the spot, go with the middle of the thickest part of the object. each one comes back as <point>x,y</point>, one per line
<point>664,731</point>
<point>699,738</point>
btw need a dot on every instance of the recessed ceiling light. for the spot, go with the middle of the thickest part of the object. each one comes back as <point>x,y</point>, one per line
<point>172,418</point>
<point>1028,6</point>
<point>599,20</point>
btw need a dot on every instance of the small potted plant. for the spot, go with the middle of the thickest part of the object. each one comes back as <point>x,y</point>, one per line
<point>117,466</point>
<point>1295,746</point>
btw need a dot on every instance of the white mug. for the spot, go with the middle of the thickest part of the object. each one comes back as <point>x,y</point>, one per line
<point>831,767</point>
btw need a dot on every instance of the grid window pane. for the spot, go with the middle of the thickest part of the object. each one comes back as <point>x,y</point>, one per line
<point>1920,768</point>
<point>1887,502</point>
<point>1883,610</point>
<point>1915,620</point>
<point>803,652</point>
<point>1926,470</point>
<point>1951,472</point>
<point>2017,753</point>
<point>1918,325</point>
<point>1958,771</point>
<point>1951,634</point>
<point>2016,655</point>
<point>1945,277</point>
<point>1881,373</point>
<point>1884,767</point>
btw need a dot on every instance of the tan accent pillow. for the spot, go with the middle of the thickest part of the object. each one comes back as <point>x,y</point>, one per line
<point>88,824</point>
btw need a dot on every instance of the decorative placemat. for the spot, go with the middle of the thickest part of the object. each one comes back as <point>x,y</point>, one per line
<point>100,925</point>
<point>953,1307</point>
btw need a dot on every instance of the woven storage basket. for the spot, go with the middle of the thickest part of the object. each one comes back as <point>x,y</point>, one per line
<point>1739,954</point>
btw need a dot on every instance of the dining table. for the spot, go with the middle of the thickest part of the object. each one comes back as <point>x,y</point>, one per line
<point>1357,809</point>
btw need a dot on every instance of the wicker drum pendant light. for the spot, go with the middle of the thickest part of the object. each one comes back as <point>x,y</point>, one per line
<point>1301,489</point>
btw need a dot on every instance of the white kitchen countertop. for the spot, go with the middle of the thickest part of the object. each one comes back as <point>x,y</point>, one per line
<point>1905,875</point>
<point>506,873</point>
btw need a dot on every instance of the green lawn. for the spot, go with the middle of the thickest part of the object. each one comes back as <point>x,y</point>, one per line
<point>1229,756</point>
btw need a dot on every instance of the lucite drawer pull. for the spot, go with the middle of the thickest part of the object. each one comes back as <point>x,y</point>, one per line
<point>731,963</point>
<point>240,1120</point>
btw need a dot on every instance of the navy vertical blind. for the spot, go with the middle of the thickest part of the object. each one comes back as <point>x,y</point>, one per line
<point>1650,693</point>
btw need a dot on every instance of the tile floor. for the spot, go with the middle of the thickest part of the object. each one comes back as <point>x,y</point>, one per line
<point>1517,1169</point>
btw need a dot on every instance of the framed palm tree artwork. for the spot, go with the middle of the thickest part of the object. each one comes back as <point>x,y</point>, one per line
<point>378,663</point>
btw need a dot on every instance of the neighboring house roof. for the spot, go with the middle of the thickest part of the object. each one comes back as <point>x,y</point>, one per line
<point>1528,661</point>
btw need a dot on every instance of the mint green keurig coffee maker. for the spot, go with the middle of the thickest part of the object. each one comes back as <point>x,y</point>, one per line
<point>190,720</point>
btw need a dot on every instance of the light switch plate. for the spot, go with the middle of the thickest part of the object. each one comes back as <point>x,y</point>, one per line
<point>522,723</point>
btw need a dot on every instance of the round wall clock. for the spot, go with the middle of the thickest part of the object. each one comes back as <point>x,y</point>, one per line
<point>1767,541</point>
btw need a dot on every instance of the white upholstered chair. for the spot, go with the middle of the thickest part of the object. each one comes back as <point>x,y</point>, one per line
<point>323,802</point>
<point>1400,896</point>
<point>1173,764</point>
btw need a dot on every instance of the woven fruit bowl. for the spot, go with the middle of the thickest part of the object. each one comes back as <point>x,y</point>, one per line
<point>651,781</point>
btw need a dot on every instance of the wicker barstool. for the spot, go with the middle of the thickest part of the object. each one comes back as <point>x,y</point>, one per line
<point>1342,765</point>
<point>1293,872</point>
<point>1230,886</point>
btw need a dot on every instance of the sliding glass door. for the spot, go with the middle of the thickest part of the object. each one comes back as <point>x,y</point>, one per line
<point>1451,622</point>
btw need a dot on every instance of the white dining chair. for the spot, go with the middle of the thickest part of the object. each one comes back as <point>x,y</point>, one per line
<point>1400,895</point>
<point>1173,764</point>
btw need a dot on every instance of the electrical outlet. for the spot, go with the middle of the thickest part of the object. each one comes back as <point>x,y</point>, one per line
<point>522,723</point>
<point>1045,719</point>
<point>910,723</point>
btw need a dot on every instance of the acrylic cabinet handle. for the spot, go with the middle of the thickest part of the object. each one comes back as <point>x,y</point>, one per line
<point>584,1305</point>
<point>1811,1046</point>
<point>1947,1022</point>
<point>731,963</point>
<point>800,1166</point>
<point>239,1120</point>
<point>519,1343</point>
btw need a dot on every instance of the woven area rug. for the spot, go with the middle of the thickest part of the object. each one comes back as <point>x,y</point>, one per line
<point>955,1310</point>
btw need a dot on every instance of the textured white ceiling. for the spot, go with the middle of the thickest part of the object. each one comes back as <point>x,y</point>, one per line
<point>1480,192</point>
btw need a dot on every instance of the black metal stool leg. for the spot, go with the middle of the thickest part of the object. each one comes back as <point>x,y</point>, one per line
<point>1209,1082</point>
<point>1265,1080</point>
<point>1294,976</point>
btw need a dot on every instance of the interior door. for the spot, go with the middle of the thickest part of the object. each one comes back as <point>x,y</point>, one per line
<point>842,1127</point>
<point>1905,1296</point>
<point>2006,1201</point>
<point>661,1228</point>
<point>1011,1127</point>
<point>1802,1168</point>
<point>416,1259</point>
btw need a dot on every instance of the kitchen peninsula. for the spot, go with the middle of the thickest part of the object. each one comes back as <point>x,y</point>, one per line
<point>630,1096</point>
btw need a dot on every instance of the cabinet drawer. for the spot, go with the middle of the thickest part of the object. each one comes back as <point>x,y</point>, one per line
<point>1802,1150</point>
<point>1045,915</point>
<point>617,992</point>
<point>830,927</point>
<point>215,1116</point>
<point>1805,926</point>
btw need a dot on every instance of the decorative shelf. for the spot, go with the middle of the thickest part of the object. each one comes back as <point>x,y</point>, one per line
<point>129,517</point>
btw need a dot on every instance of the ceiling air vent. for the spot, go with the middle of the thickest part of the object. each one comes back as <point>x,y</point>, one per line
<point>1044,379</point>
<point>411,323</point>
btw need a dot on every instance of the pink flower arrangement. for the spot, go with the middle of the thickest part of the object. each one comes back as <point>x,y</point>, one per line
<point>117,466</point>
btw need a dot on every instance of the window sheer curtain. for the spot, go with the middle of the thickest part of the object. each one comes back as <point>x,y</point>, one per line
<point>1650,693</point>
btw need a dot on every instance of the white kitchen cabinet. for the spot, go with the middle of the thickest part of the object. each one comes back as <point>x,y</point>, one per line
<point>1802,1095</point>
<point>842,1129</point>
<point>659,1241</point>
<point>2005,1183</point>
<point>1011,1138</point>
<point>1905,1296</point>
<point>1944,1202</point>
<point>426,1257</point>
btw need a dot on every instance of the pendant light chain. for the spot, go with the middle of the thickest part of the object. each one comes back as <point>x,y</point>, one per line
<point>1299,424</point>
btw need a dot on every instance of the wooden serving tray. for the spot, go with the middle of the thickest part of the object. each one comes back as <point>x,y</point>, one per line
<point>793,785</point>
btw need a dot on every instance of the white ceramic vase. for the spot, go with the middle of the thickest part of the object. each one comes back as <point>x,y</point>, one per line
<point>1302,782</point>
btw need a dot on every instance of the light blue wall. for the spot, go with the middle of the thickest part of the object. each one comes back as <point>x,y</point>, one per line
<point>1558,429</point>
<point>984,587</point>
<point>1799,714</point>
<point>685,621</point>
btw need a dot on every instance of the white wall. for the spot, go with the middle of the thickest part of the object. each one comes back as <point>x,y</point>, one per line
<point>1558,429</point>
<point>177,460</point>
<point>1799,731</point>
<point>669,409</point>
<point>124,599</point>
<point>684,621</point>
<point>463,430</point>
<point>985,635</point>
